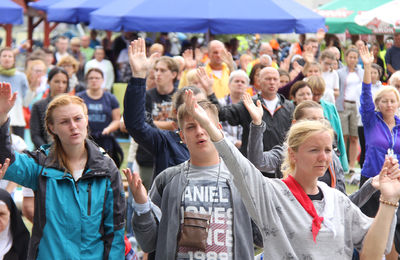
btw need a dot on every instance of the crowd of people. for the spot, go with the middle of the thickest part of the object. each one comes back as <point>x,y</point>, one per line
<point>230,149</point>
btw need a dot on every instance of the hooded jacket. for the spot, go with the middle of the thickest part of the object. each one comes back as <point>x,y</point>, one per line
<point>81,219</point>
<point>378,137</point>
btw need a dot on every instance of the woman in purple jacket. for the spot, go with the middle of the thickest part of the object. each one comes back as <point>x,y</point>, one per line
<point>381,125</point>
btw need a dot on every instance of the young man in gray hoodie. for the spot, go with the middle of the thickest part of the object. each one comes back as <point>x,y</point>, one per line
<point>202,184</point>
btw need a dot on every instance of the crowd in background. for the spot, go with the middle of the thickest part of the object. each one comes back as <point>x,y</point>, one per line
<point>354,87</point>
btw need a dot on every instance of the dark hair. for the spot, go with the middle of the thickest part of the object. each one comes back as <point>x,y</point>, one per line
<point>253,72</point>
<point>297,86</point>
<point>283,72</point>
<point>54,71</point>
<point>96,70</point>
<point>378,68</point>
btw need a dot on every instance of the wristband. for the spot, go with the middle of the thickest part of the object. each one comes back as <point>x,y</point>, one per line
<point>393,204</point>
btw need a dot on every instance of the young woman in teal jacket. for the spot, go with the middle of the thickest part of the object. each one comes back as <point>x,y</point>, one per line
<point>79,197</point>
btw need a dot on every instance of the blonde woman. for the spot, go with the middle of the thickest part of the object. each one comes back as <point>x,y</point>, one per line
<point>71,66</point>
<point>300,217</point>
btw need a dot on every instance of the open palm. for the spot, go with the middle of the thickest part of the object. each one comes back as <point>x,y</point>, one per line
<point>366,56</point>
<point>137,57</point>
<point>256,112</point>
<point>7,99</point>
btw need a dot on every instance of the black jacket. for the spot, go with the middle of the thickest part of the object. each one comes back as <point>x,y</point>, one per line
<point>277,125</point>
<point>39,134</point>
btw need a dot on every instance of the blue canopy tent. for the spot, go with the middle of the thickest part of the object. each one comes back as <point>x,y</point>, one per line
<point>73,11</point>
<point>216,16</point>
<point>10,13</point>
<point>43,6</point>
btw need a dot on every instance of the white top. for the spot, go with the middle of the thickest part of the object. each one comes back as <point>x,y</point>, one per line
<point>331,79</point>
<point>77,174</point>
<point>353,87</point>
<point>217,73</point>
<point>108,71</point>
<point>271,104</point>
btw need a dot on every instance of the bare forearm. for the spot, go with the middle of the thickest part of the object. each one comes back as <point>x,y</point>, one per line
<point>214,133</point>
<point>113,126</point>
<point>390,69</point>
<point>165,125</point>
<point>376,239</point>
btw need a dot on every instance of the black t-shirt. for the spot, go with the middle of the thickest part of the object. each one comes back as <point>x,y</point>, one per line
<point>158,108</point>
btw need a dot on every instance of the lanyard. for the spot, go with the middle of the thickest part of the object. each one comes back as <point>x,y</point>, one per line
<point>392,137</point>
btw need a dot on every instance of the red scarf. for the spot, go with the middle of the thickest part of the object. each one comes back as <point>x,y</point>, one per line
<point>306,202</point>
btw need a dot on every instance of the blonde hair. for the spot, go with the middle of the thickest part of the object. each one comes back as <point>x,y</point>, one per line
<point>205,104</point>
<point>316,83</point>
<point>29,69</point>
<point>395,77</point>
<point>57,151</point>
<point>308,66</point>
<point>297,135</point>
<point>382,91</point>
<point>69,60</point>
<point>299,111</point>
<point>191,76</point>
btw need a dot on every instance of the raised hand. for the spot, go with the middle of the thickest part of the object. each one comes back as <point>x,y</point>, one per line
<point>198,55</point>
<point>135,184</point>
<point>389,180</point>
<point>320,35</point>
<point>308,56</point>
<point>256,112</point>
<point>366,56</point>
<point>226,57</point>
<point>194,110</point>
<point>285,64</point>
<point>190,62</point>
<point>206,81</point>
<point>137,58</point>
<point>201,116</point>
<point>7,101</point>
<point>4,167</point>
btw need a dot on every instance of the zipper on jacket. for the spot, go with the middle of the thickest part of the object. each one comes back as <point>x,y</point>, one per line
<point>89,190</point>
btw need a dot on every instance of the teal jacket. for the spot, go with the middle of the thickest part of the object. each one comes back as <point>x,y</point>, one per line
<point>81,219</point>
<point>331,114</point>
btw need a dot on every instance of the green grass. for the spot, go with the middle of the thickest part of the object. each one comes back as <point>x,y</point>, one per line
<point>125,148</point>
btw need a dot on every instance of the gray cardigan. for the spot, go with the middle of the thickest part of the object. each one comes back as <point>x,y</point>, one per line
<point>272,160</point>
<point>283,222</point>
<point>158,230</point>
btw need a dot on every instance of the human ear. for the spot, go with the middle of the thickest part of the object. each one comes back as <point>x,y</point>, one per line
<point>182,136</point>
<point>51,129</point>
<point>292,155</point>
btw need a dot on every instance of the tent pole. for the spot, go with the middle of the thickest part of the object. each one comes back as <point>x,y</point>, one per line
<point>8,28</point>
<point>47,30</point>
<point>207,36</point>
<point>30,32</point>
<point>31,28</point>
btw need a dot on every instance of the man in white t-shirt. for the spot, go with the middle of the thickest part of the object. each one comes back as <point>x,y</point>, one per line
<point>100,62</point>
<point>62,45</point>
<point>330,76</point>
<point>278,113</point>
